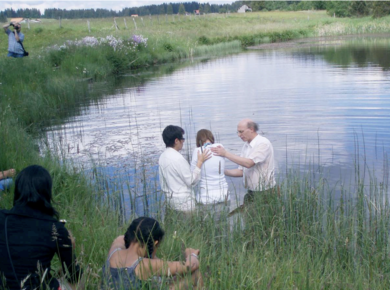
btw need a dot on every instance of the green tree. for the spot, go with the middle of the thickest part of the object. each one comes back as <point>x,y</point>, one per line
<point>339,8</point>
<point>319,5</point>
<point>380,8</point>
<point>3,17</point>
<point>207,8</point>
<point>358,8</point>
<point>255,5</point>
<point>182,10</point>
<point>170,9</point>
<point>201,9</point>
<point>162,10</point>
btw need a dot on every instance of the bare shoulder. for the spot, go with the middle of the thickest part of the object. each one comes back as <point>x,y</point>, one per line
<point>119,242</point>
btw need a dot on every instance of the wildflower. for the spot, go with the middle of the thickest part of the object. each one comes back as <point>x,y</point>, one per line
<point>139,40</point>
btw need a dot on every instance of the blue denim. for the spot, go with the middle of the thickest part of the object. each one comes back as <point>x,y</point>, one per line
<point>5,184</point>
<point>13,54</point>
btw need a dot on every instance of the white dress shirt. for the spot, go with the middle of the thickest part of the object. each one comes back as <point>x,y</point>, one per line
<point>260,176</point>
<point>213,185</point>
<point>177,180</point>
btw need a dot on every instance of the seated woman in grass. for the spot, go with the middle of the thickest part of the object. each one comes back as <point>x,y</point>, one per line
<point>213,196</point>
<point>132,261</point>
<point>5,178</point>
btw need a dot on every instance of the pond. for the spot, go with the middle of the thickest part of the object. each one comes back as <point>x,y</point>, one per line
<point>325,108</point>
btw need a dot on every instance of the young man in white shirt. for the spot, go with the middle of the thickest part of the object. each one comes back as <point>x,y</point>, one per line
<point>176,177</point>
<point>256,161</point>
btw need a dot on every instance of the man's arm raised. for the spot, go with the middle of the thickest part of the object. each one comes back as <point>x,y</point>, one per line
<point>5,26</point>
<point>244,162</point>
<point>233,172</point>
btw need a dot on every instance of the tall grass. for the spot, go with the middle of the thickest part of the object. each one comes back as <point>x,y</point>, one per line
<point>304,236</point>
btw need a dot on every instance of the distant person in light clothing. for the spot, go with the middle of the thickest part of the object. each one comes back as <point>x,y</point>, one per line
<point>176,177</point>
<point>213,196</point>
<point>15,38</point>
<point>256,161</point>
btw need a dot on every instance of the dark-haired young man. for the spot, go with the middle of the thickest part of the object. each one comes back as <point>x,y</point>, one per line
<point>176,177</point>
<point>15,39</point>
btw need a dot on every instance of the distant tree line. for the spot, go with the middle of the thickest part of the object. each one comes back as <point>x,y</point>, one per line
<point>337,8</point>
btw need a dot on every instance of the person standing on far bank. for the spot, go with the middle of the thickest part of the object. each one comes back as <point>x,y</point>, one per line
<point>15,39</point>
<point>256,161</point>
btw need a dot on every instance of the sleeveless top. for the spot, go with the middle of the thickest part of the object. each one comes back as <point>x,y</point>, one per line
<point>120,278</point>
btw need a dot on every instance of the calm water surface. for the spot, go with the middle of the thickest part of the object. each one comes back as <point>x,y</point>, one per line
<point>324,109</point>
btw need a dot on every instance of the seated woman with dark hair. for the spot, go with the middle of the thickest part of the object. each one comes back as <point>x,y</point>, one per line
<point>132,260</point>
<point>30,235</point>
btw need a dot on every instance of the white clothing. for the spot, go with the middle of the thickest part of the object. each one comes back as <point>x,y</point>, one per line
<point>213,185</point>
<point>177,180</point>
<point>260,176</point>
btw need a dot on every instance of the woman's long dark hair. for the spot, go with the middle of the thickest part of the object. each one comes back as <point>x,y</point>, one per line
<point>33,188</point>
<point>146,231</point>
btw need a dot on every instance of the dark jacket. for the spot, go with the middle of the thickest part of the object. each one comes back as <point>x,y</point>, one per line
<point>33,239</point>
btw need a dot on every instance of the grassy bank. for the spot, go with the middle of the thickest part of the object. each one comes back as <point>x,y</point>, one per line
<point>302,237</point>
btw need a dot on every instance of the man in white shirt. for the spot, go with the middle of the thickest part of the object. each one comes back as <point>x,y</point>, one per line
<point>256,161</point>
<point>176,177</point>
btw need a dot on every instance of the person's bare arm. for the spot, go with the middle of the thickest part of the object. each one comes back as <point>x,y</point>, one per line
<point>5,26</point>
<point>7,173</point>
<point>151,267</point>
<point>233,172</point>
<point>242,161</point>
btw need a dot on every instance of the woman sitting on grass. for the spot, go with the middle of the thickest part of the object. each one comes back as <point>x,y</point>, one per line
<point>132,260</point>
<point>30,235</point>
<point>5,179</point>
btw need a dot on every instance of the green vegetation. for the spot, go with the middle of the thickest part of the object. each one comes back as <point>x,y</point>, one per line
<point>303,237</point>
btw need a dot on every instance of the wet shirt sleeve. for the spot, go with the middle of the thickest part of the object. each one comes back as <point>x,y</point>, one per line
<point>260,153</point>
<point>188,176</point>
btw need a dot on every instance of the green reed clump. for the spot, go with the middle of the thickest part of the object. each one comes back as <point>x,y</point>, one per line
<point>301,236</point>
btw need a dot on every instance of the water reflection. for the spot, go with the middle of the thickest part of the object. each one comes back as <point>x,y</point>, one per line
<point>325,108</point>
<point>362,53</point>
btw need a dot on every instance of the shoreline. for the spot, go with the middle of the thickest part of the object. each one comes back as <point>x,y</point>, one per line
<point>314,41</point>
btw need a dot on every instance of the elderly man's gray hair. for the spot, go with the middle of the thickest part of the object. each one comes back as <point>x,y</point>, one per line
<point>253,125</point>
